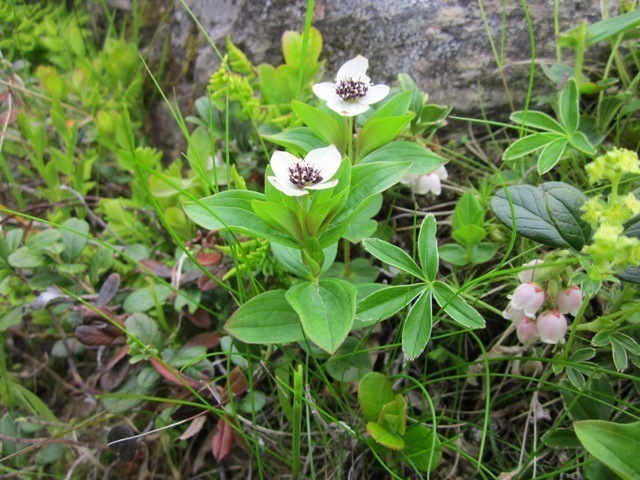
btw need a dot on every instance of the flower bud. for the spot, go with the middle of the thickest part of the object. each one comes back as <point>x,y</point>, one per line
<point>529,275</point>
<point>527,330</point>
<point>569,300</point>
<point>528,297</point>
<point>552,326</point>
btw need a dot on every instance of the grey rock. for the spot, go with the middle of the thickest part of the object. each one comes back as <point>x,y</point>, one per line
<point>443,44</point>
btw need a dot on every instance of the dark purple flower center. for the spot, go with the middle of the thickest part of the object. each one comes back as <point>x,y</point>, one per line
<point>302,175</point>
<point>351,89</point>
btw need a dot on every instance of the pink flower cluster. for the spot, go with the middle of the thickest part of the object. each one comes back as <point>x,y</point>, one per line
<point>551,325</point>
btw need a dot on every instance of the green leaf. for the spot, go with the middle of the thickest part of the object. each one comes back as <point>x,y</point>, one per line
<point>428,247</point>
<point>532,218</point>
<point>564,204</point>
<point>366,181</point>
<point>422,448</point>
<point>43,239</point>
<point>459,310</point>
<point>469,235</point>
<point>468,211</point>
<point>416,331</point>
<point>360,271</point>
<point>396,106</point>
<point>232,210</point>
<point>280,217</point>
<point>593,402</point>
<point>534,119</point>
<point>483,252</point>
<point>11,318</point>
<point>424,160</point>
<point>569,106</point>
<point>579,140</point>
<point>454,253</point>
<point>388,253</point>
<point>378,132</point>
<point>529,144</point>
<point>385,437</point>
<point>326,309</point>
<point>551,154</point>
<point>417,97</point>
<point>145,329</point>
<point>350,363</point>
<point>25,257</point>
<point>291,259</point>
<point>299,141</point>
<point>394,415</point>
<point>292,43</point>
<point>361,225</point>
<point>615,445</point>
<point>266,319</point>
<point>374,393</point>
<point>146,298</point>
<point>610,27</point>
<point>274,85</point>
<point>322,124</point>
<point>74,237</point>
<point>50,453</point>
<point>386,302</point>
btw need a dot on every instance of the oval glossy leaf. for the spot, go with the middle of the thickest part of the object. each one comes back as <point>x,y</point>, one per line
<point>564,204</point>
<point>374,393</point>
<point>385,302</point>
<point>532,218</point>
<point>417,327</point>
<point>378,132</point>
<point>266,319</point>
<point>459,310</point>
<point>388,253</point>
<point>616,445</point>
<point>384,436</point>
<point>428,247</point>
<point>232,210</point>
<point>327,310</point>
<point>551,155</point>
<point>321,123</point>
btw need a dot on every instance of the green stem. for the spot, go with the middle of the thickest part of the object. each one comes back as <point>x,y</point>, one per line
<point>575,325</point>
<point>298,380</point>
<point>350,140</point>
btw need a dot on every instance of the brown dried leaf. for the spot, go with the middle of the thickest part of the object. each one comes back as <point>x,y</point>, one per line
<point>116,369</point>
<point>200,318</point>
<point>209,340</point>
<point>108,290</point>
<point>172,376</point>
<point>194,427</point>
<point>92,335</point>
<point>205,283</point>
<point>211,258</point>
<point>157,268</point>
<point>222,440</point>
<point>237,382</point>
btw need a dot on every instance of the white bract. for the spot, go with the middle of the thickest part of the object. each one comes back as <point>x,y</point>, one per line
<point>295,176</point>
<point>423,184</point>
<point>352,92</point>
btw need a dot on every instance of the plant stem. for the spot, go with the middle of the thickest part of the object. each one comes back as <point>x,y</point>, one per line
<point>350,140</point>
<point>298,380</point>
<point>576,322</point>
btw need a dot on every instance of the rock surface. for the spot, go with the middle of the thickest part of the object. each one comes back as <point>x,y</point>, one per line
<point>443,44</point>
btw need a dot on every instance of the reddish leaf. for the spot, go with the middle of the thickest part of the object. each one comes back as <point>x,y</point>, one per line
<point>92,335</point>
<point>194,427</point>
<point>108,290</point>
<point>237,382</point>
<point>157,268</point>
<point>172,376</point>
<point>205,283</point>
<point>222,440</point>
<point>116,369</point>
<point>209,340</point>
<point>200,318</point>
<point>8,116</point>
<point>211,258</point>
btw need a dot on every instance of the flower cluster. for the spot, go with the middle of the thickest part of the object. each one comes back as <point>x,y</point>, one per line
<point>611,251</point>
<point>530,296</point>
<point>423,184</point>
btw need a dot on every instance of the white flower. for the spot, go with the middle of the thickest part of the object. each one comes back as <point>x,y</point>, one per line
<point>513,314</point>
<point>528,297</point>
<point>527,330</point>
<point>352,93</point>
<point>569,300</point>
<point>552,327</point>
<point>295,177</point>
<point>423,184</point>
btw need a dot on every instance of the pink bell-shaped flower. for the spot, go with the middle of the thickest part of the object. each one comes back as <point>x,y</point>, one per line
<point>569,300</point>
<point>552,326</point>
<point>527,330</point>
<point>528,297</point>
<point>529,275</point>
<point>513,314</point>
